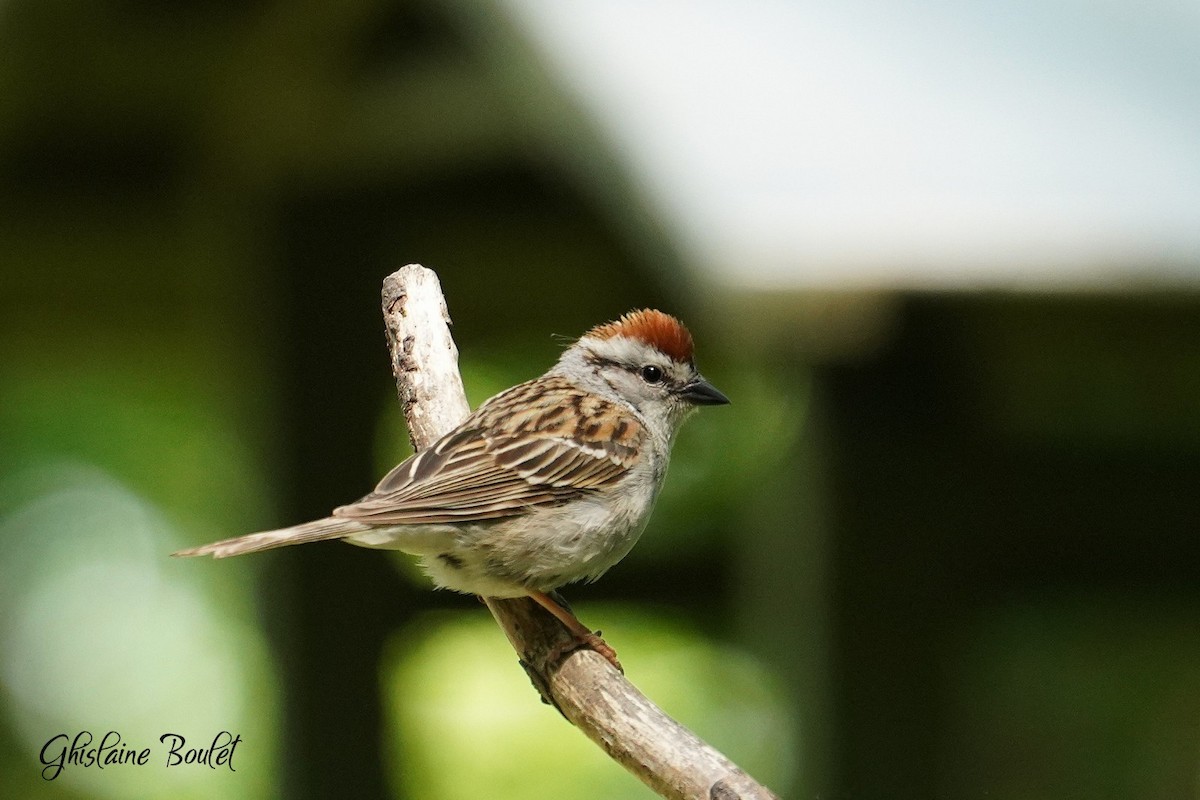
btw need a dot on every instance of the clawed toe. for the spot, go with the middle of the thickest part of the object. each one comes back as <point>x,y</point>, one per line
<point>592,641</point>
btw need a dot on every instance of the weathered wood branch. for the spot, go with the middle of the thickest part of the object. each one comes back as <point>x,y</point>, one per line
<point>589,692</point>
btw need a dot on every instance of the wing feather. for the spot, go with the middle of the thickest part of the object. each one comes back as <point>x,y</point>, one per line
<point>563,443</point>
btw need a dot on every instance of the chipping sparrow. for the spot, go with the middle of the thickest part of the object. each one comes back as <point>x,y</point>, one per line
<point>546,483</point>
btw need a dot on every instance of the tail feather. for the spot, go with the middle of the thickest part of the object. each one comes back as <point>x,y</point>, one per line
<point>316,531</point>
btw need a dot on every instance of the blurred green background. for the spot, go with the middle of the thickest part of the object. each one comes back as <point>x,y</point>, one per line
<point>941,544</point>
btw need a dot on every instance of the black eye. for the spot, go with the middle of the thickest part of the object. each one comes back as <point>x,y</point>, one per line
<point>651,374</point>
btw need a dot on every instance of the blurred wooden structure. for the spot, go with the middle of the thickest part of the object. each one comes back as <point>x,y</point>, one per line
<point>973,457</point>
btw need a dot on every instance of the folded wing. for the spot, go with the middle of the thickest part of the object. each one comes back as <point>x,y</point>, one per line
<point>561,445</point>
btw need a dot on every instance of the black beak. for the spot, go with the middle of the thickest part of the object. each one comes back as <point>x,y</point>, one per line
<point>702,393</point>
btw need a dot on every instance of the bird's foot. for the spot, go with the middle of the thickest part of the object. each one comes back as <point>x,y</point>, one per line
<point>583,637</point>
<point>592,641</point>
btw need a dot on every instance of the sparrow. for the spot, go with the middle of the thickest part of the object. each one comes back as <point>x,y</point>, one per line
<point>545,484</point>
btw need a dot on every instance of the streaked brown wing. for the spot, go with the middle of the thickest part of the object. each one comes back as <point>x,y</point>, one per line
<point>563,443</point>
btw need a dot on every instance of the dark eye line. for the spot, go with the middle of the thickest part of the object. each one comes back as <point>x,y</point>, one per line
<point>599,362</point>
<point>659,374</point>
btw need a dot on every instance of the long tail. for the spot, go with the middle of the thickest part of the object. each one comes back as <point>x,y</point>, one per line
<point>316,531</point>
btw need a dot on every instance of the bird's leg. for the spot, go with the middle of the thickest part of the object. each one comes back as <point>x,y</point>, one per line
<point>557,597</point>
<point>580,631</point>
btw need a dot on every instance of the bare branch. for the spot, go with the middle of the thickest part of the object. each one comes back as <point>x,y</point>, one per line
<point>582,684</point>
<point>424,357</point>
